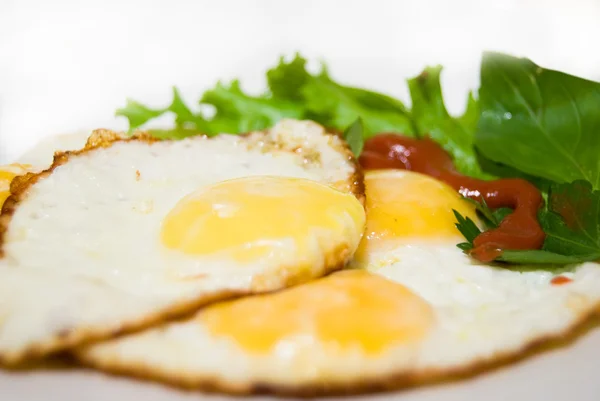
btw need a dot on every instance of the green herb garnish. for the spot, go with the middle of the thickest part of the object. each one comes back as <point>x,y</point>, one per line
<point>529,122</point>
<point>571,222</point>
<point>293,93</point>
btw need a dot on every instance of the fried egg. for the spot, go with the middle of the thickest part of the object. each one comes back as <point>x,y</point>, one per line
<point>37,159</point>
<point>130,231</point>
<point>413,309</point>
<point>40,155</point>
<point>7,174</point>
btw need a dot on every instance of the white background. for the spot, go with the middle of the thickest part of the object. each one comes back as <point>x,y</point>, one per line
<point>66,65</point>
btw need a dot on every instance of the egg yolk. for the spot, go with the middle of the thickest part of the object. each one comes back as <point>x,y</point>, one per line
<point>7,173</point>
<point>345,310</point>
<point>404,205</point>
<point>263,216</point>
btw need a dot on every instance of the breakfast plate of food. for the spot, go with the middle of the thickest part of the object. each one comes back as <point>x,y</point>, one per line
<point>319,239</point>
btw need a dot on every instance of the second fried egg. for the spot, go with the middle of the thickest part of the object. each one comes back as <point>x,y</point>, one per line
<point>415,308</point>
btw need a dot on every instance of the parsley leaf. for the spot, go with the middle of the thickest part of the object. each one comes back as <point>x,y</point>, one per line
<point>467,228</point>
<point>541,122</point>
<point>490,217</point>
<point>571,223</point>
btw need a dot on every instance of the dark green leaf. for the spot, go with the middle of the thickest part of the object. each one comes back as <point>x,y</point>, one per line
<point>542,122</point>
<point>456,135</point>
<point>354,135</point>
<point>572,222</point>
<point>503,171</point>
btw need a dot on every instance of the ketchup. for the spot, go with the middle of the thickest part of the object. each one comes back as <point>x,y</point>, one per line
<point>560,280</point>
<point>518,230</point>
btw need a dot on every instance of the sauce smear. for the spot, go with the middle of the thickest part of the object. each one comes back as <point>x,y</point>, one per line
<point>560,280</point>
<point>518,230</point>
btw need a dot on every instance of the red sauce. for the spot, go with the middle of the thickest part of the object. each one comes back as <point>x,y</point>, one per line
<point>560,280</point>
<point>519,230</point>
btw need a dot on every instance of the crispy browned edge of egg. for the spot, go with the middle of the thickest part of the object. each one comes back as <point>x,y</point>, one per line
<point>69,338</point>
<point>389,382</point>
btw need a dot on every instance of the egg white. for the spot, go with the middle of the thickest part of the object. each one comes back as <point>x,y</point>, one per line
<point>483,314</point>
<point>82,253</point>
<point>488,312</point>
<point>40,155</point>
<point>38,158</point>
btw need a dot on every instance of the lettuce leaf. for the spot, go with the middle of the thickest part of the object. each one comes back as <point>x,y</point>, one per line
<point>235,112</point>
<point>541,122</point>
<point>355,136</point>
<point>531,123</point>
<point>455,135</point>
<point>137,114</point>
<point>238,112</point>
<point>335,105</point>
<point>293,93</point>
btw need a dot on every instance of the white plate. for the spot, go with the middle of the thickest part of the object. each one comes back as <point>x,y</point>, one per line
<point>66,65</point>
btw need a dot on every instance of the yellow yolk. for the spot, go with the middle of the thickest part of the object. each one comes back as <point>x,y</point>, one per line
<point>7,173</point>
<point>349,309</point>
<point>404,205</point>
<point>257,217</point>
